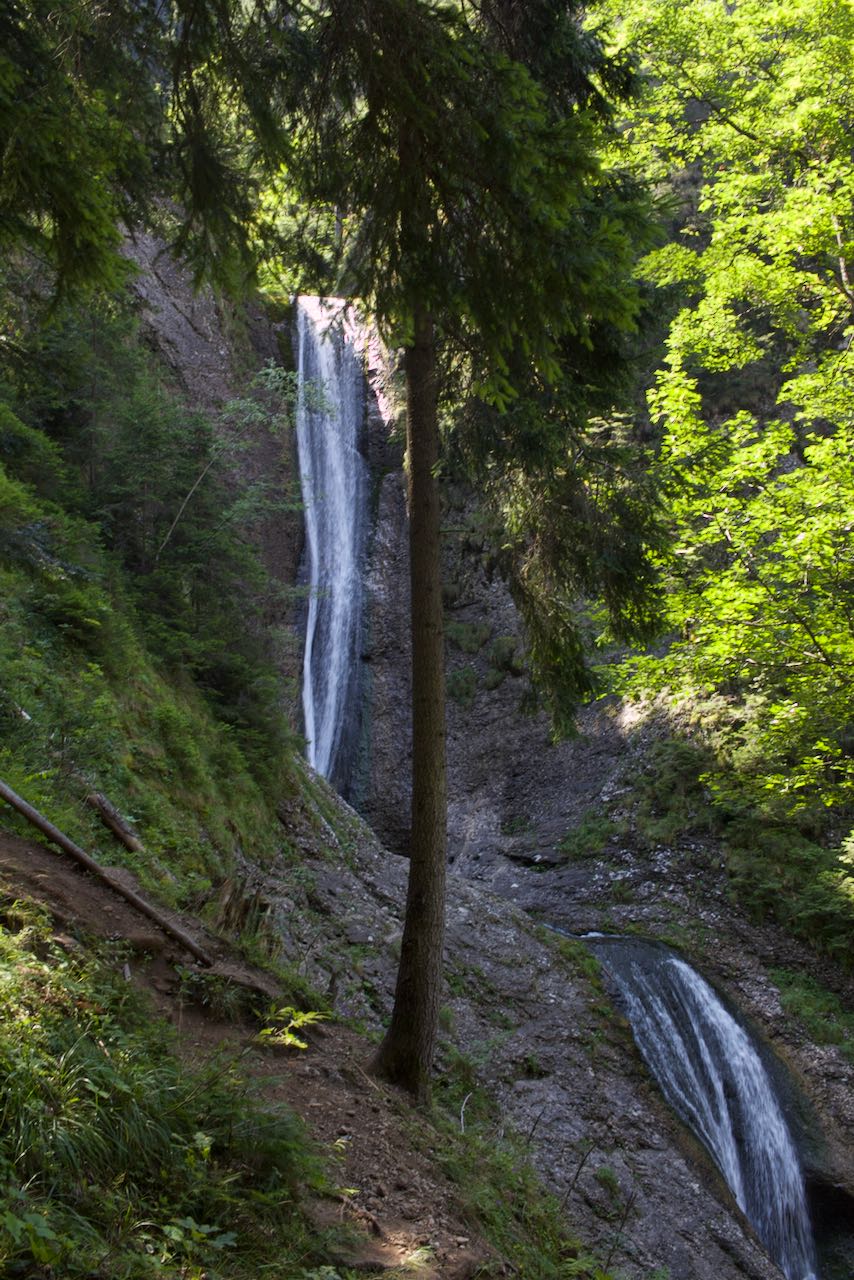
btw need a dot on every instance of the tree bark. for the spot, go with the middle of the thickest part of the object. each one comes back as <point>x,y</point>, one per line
<point>406,1054</point>
<point>113,820</point>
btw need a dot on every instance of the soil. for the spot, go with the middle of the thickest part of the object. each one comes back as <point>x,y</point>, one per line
<point>397,1202</point>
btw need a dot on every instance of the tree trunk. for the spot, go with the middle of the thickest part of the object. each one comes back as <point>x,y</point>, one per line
<point>406,1054</point>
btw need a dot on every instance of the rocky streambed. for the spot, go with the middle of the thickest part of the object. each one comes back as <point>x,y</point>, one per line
<point>528,1015</point>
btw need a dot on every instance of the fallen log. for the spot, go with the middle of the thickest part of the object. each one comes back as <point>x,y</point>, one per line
<point>113,820</point>
<point>79,855</point>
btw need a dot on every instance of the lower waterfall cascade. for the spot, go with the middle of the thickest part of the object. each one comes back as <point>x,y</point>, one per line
<point>712,1074</point>
<point>334,482</point>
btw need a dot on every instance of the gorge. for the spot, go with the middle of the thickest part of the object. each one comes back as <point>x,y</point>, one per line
<point>701,1057</point>
<point>613,244</point>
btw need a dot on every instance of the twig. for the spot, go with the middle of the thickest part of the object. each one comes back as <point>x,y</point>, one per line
<point>367,1078</point>
<point>463,1113</point>
<point>618,1234</point>
<point>582,1162</point>
<point>533,1130</point>
<point>199,478</point>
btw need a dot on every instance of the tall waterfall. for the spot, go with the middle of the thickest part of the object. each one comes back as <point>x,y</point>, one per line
<point>712,1075</point>
<point>330,412</point>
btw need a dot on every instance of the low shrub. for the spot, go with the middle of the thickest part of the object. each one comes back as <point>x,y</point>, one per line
<point>115,1159</point>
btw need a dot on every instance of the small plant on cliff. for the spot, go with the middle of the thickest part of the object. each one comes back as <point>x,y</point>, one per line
<point>822,1012</point>
<point>590,836</point>
<point>462,686</point>
<point>468,637</point>
<point>286,1023</point>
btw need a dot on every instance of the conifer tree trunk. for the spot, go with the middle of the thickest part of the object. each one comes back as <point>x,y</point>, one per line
<point>406,1054</point>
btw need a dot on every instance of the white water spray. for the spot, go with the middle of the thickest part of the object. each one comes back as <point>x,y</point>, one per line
<point>712,1075</point>
<point>330,411</point>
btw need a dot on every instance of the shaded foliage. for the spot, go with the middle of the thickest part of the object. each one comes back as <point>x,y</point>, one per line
<point>115,1159</point>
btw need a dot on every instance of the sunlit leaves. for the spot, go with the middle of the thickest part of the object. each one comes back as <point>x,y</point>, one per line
<point>748,115</point>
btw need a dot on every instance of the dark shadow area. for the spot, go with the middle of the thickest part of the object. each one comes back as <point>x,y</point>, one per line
<point>832,1211</point>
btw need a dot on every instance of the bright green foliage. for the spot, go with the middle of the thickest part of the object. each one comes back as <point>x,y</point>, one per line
<point>287,1021</point>
<point>114,1159</point>
<point>761,594</point>
<point>747,115</point>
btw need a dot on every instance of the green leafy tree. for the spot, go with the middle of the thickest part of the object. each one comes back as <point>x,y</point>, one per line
<point>747,118</point>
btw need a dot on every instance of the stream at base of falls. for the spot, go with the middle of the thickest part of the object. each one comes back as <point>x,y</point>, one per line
<point>334,481</point>
<point>712,1074</point>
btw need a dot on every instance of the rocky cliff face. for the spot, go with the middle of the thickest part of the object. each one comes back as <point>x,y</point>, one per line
<point>514,798</point>
<point>524,1014</point>
<point>212,349</point>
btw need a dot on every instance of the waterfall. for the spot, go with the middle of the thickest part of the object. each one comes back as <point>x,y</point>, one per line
<point>712,1075</point>
<point>333,475</point>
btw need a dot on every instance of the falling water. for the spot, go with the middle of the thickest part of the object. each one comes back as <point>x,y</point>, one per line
<point>330,411</point>
<point>712,1075</point>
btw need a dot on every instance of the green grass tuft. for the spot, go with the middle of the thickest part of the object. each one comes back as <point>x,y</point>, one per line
<point>822,1013</point>
<point>115,1159</point>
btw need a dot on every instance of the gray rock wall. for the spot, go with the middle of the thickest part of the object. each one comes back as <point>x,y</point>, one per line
<point>513,798</point>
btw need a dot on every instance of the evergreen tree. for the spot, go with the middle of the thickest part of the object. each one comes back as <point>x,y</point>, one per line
<point>79,120</point>
<point>478,228</point>
<point>149,110</point>
<point>458,154</point>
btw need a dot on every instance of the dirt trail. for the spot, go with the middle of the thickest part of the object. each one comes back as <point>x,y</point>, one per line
<point>398,1201</point>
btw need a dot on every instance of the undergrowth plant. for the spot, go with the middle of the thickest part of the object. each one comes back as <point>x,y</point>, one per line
<point>115,1159</point>
<point>821,1011</point>
<point>786,867</point>
<point>286,1023</point>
